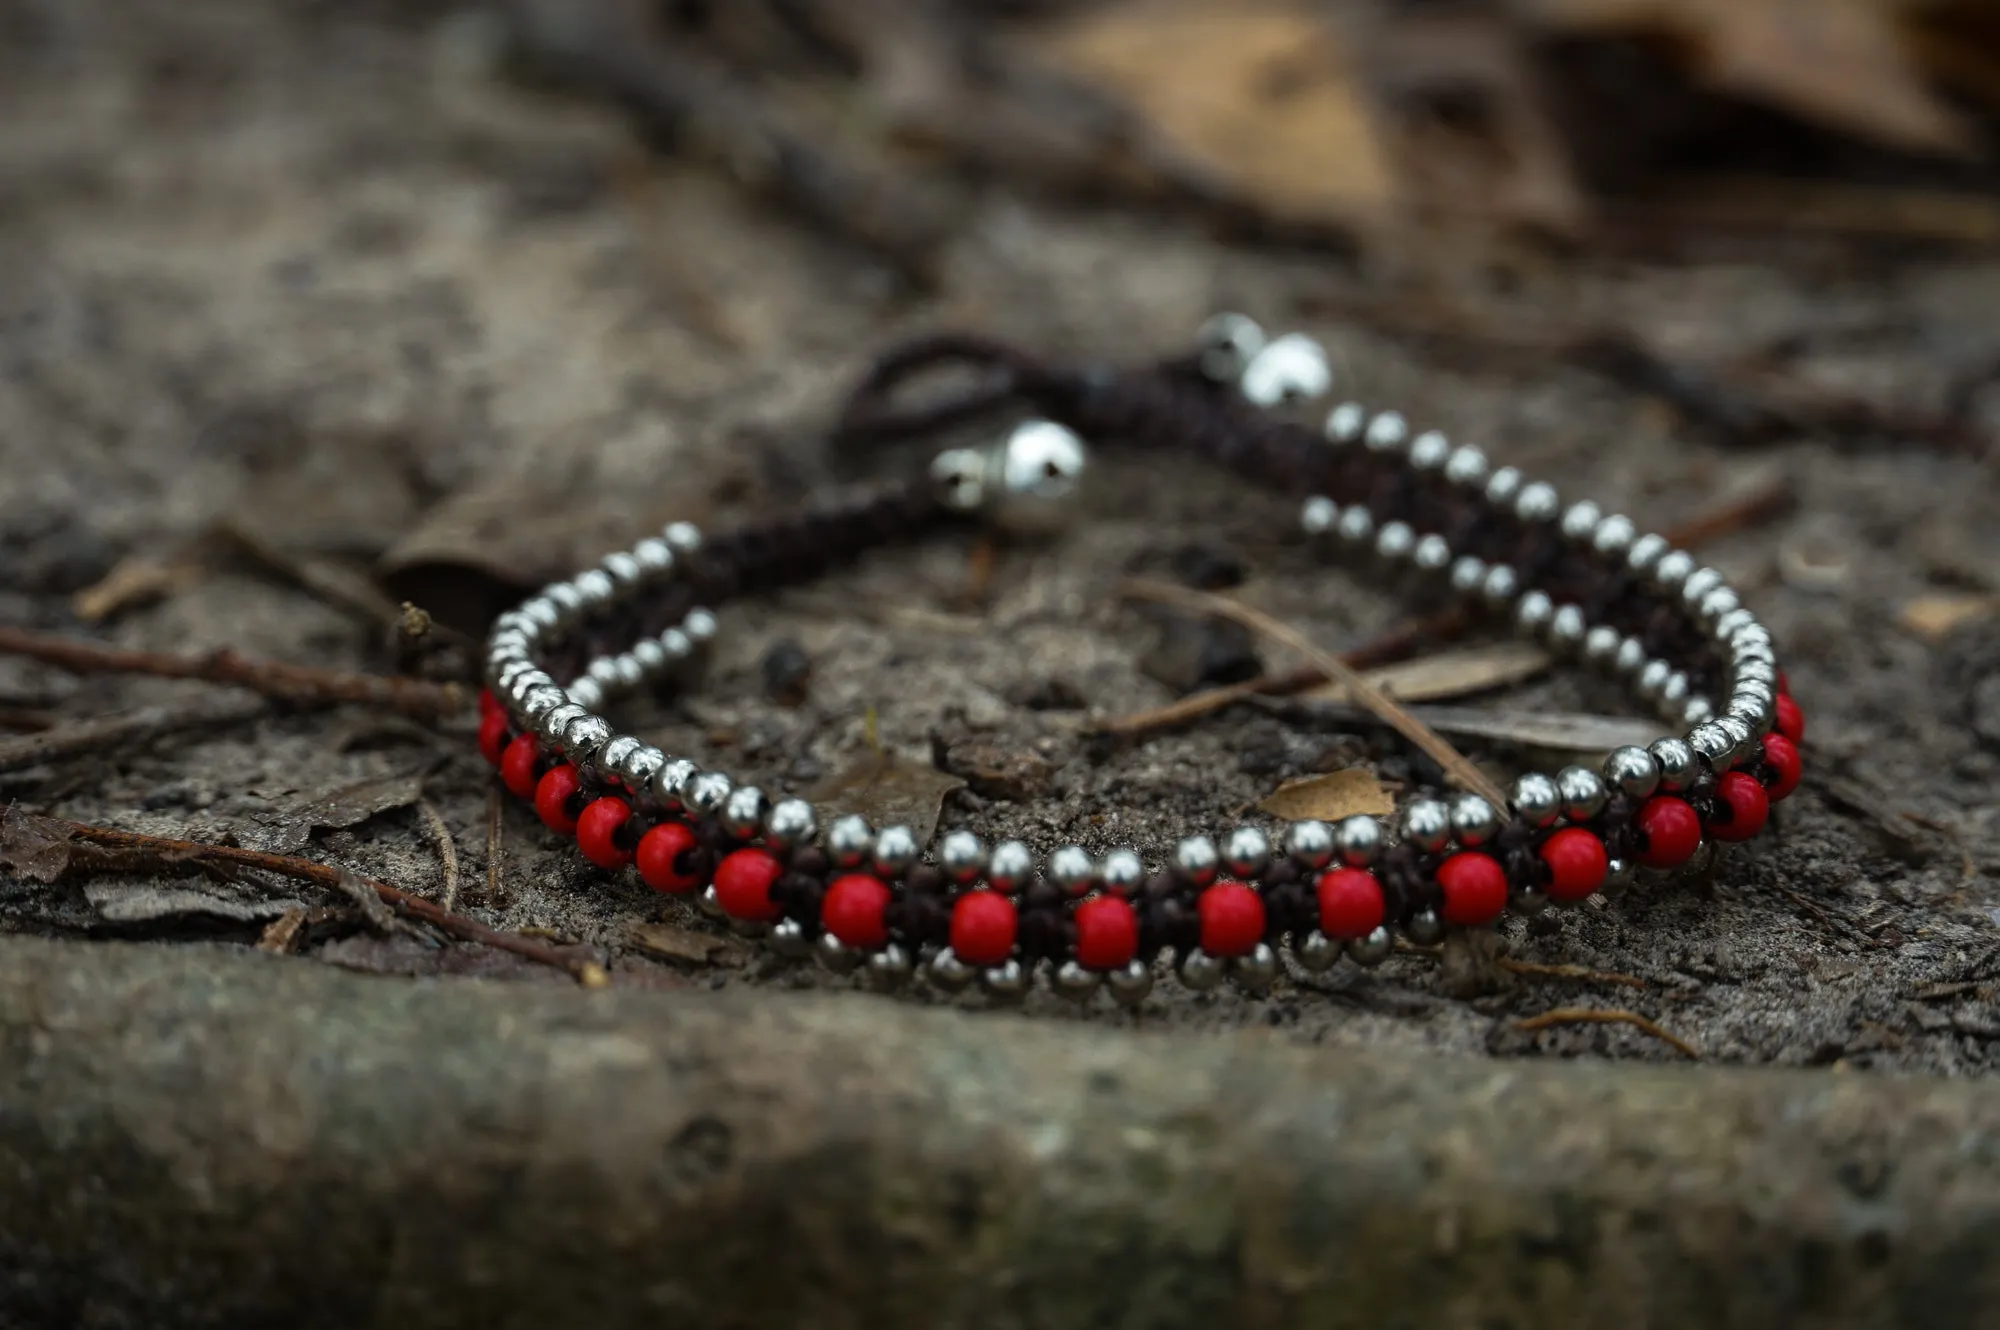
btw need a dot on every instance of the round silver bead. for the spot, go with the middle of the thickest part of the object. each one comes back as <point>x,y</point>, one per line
<point>1007,981</point>
<point>603,671</point>
<point>742,815</point>
<point>1652,680</point>
<point>789,940</point>
<point>790,824</point>
<point>1468,574</point>
<point>1675,760</point>
<point>895,852</point>
<point>1703,858</point>
<point>1474,821</point>
<point>670,785</point>
<point>542,612</point>
<point>1131,983</point>
<point>889,968</point>
<point>1674,693</point>
<point>1536,799</point>
<point>1713,743</point>
<point>682,537</point>
<point>648,657</point>
<point>1395,542</point>
<point>1755,713</point>
<point>850,840</point>
<point>1293,368</point>
<point>1429,451</point>
<point>1072,869</point>
<point>962,857</point>
<point>1121,873</point>
<point>1699,584</point>
<point>626,671</point>
<point>1614,536</point>
<point>569,602</point>
<point>557,719</point>
<point>623,569</point>
<point>1618,875</point>
<point>708,792</point>
<point>1357,839</point>
<point>1196,859</point>
<point>1696,710</point>
<point>1036,477</point>
<point>611,757</point>
<point>1600,647</point>
<point>1246,853</point>
<point>1528,899</point>
<point>1371,949</point>
<point>1646,551</point>
<point>1502,584</point>
<point>1467,466</point>
<point>837,956</point>
<point>1537,502</point>
<point>1386,432</point>
<point>1672,569</point>
<point>1504,486</point>
<point>1741,737</point>
<point>1201,971</point>
<point>1427,825</point>
<point>1318,515</point>
<point>582,737</point>
<point>1317,952</point>
<point>640,766</point>
<point>1425,928</point>
<point>1309,843</point>
<point>675,646</point>
<point>1734,621</point>
<point>1356,525</point>
<point>1345,422</point>
<point>1533,613</point>
<point>595,587</point>
<point>654,556</point>
<point>710,903</point>
<point>947,973</point>
<point>1566,629</point>
<point>1073,981</point>
<point>1631,657</point>
<point>700,627</point>
<point>1228,342</point>
<point>539,701</point>
<point>1632,771</point>
<point>1723,600</point>
<point>1582,792</point>
<point>1009,867</point>
<point>587,693</point>
<point>1432,554</point>
<point>1256,970</point>
<point>1580,521</point>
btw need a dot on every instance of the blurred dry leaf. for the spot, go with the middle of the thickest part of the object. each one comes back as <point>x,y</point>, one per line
<point>1932,617</point>
<point>1331,797</point>
<point>347,806</point>
<point>32,847</point>
<point>887,790</point>
<point>1449,673</point>
<point>1260,95</point>
<point>687,946</point>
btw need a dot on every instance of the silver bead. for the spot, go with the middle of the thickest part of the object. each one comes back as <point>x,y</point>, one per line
<point>1395,541</point>
<point>648,656</point>
<point>958,478</point>
<point>587,693</point>
<point>1371,950</point>
<point>837,956</point>
<point>1356,525</point>
<point>1468,574</point>
<point>1318,516</point>
<point>1600,647</point>
<point>1425,928</point>
<point>604,671</point>
<point>1432,554</point>
<point>1131,984</point>
<point>1631,657</point>
<point>1614,536</point>
<point>1007,981</point>
<point>1582,793</point>
<point>1009,867</point>
<point>582,737</point>
<point>1201,971</point>
<point>1711,742</point>
<point>1257,970</point>
<point>947,973</point>
<point>1502,584</point>
<point>1073,870</point>
<point>1653,676</point>
<point>1357,839</point>
<point>623,570</point>
<point>566,598</point>
<point>1537,800</point>
<point>1537,502</point>
<point>670,785</point>
<point>1676,763</point>
<point>540,611</point>
<point>1696,710</point>
<point>896,851</point>
<point>1427,825</point>
<point>682,538</point>
<point>1566,629</point>
<point>1386,432</point>
<point>849,840</point>
<point>1196,860</point>
<point>1646,552</point>
<point>557,719</point>
<point>962,857</point>
<point>889,968</point>
<point>700,627</point>
<point>1533,613</point>
<point>1698,584</point>
<point>742,815</point>
<point>1671,569</point>
<point>790,824</point>
<point>1317,952</point>
<point>1344,423</point>
<point>611,757</point>
<point>710,903</point>
<point>1632,771</point>
<point>1309,844</point>
<point>1504,486</point>
<point>789,940</point>
<point>1037,476</point>
<point>1228,342</point>
<point>1073,981</point>
<point>1429,451</point>
<point>1293,368</point>
<point>1674,692</point>
<point>626,672</point>
<point>1733,622</point>
<point>1741,738</point>
<point>708,792</point>
<point>1121,873</point>
<point>1246,853</point>
<point>654,556</point>
<point>1528,899</point>
<point>1474,821</point>
<point>1466,467</point>
<point>1618,874</point>
<point>676,646</point>
<point>510,675</point>
<point>1580,521</point>
<point>1703,858</point>
<point>1717,603</point>
<point>640,766</point>
<point>540,701</point>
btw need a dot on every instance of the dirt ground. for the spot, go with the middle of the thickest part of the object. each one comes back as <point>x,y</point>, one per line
<point>324,275</point>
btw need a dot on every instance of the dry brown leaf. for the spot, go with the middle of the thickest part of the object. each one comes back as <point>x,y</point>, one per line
<point>32,847</point>
<point>688,946</point>
<point>1330,797</point>
<point>1260,94</point>
<point>1932,617</point>
<point>1448,673</point>
<point>887,790</point>
<point>347,806</point>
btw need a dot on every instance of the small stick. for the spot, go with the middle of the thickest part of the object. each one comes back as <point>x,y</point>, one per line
<point>282,933</point>
<point>301,685</point>
<point>1366,693</point>
<point>125,729</point>
<point>495,893</point>
<point>1537,970</point>
<point>1594,1016</point>
<point>179,852</point>
<point>446,847</point>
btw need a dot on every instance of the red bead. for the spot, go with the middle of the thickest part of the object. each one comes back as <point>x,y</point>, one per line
<point>493,736</point>
<point>1577,863</point>
<point>855,910</point>
<point>660,856</point>
<point>521,767</point>
<point>1791,722</point>
<point>982,928</point>
<point>1350,903</point>
<point>1673,832</point>
<point>743,883</point>
<point>488,704</point>
<point>1475,888</point>
<point>1232,919</point>
<point>1748,806</point>
<point>1107,933</point>
<point>552,796</point>
<point>597,830</point>
<point>1783,755</point>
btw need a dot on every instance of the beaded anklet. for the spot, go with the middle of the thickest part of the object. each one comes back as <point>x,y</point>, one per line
<point>1586,584</point>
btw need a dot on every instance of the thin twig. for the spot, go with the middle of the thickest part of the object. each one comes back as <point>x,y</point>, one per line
<point>495,892</point>
<point>125,730</point>
<point>1581,973</point>
<point>1595,1016</point>
<point>282,933</point>
<point>199,854</point>
<point>1455,763</point>
<point>447,850</point>
<point>300,685</point>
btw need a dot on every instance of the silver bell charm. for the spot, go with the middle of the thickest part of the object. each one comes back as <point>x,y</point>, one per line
<point>1025,484</point>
